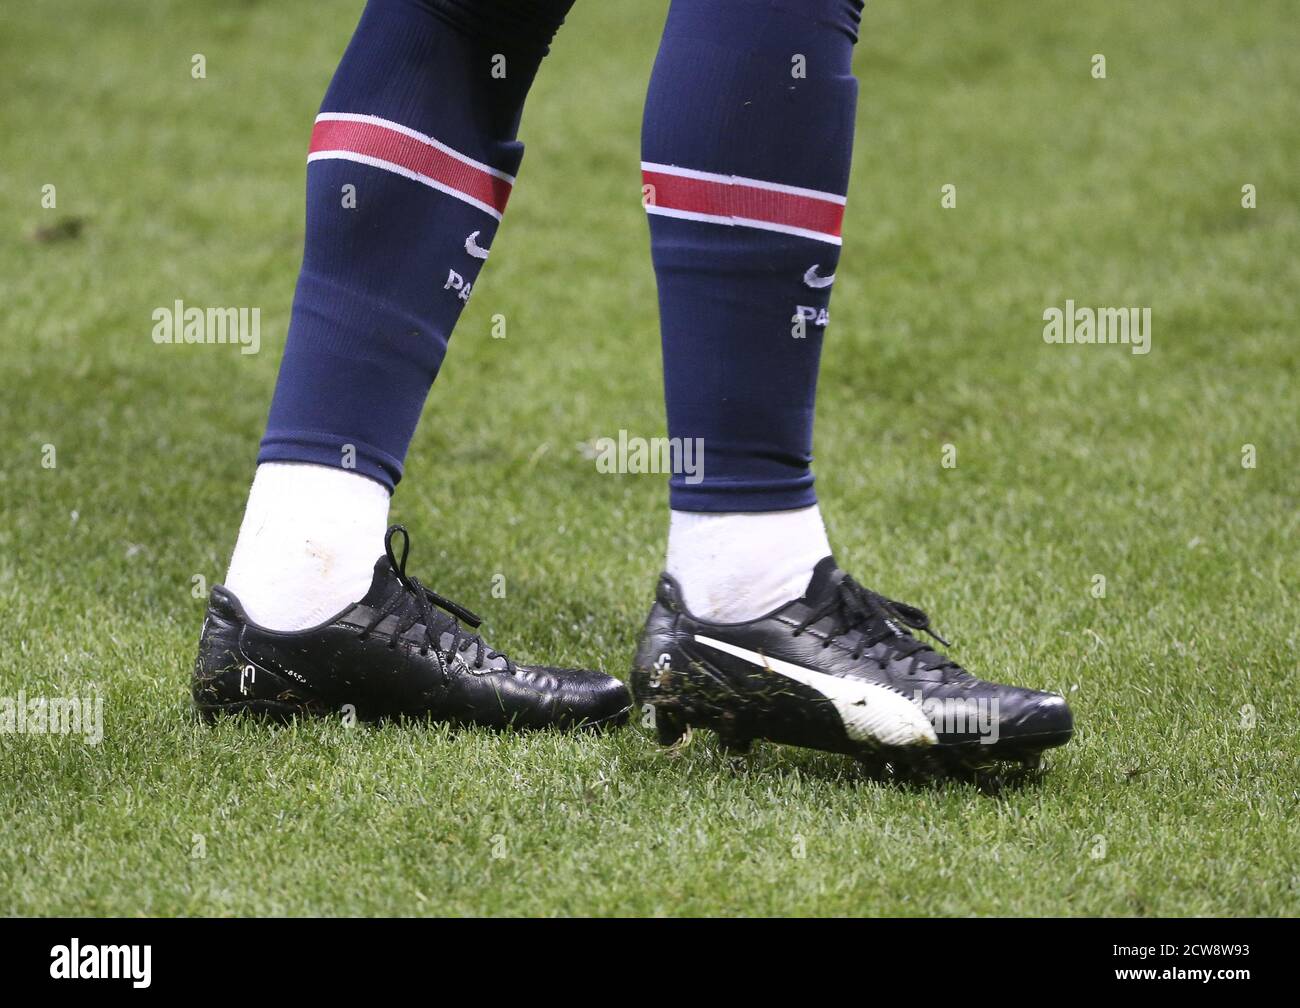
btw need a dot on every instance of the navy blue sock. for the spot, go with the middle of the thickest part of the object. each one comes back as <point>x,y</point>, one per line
<point>746,143</point>
<point>412,161</point>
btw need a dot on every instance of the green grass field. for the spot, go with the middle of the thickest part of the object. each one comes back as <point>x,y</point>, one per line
<point>1179,793</point>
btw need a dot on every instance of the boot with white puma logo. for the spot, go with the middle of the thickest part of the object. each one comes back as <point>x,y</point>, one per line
<point>836,670</point>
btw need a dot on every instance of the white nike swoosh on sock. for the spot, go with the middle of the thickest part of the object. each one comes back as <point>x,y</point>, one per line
<point>870,712</point>
<point>812,279</point>
<point>474,248</point>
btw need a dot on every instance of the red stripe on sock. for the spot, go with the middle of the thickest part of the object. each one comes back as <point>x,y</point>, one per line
<point>735,199</point>
<point>411,153</point>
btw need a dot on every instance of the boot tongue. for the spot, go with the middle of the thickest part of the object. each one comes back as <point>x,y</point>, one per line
<point>382,584</point>
<point>826,577</point>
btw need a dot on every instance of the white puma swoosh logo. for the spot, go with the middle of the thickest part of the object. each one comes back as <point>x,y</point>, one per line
<point>813,280</point>
<point>870,712</point>
<point>473,247</point>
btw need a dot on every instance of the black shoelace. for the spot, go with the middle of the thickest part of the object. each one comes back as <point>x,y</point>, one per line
<point>414,604</point>
<point>876,619</point>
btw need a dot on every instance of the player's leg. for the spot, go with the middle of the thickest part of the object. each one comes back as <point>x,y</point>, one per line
<point>412,160</point>
<point>413,151</point>
<point>756,632</point>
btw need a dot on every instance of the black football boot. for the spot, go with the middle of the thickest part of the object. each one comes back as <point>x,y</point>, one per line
<point>401,651</point>
<point>835,670</point>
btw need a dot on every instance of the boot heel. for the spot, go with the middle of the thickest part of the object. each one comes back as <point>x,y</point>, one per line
<point>670,727</point>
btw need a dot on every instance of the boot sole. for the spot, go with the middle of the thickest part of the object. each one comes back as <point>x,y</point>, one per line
<point>283,712</point>
<point>722,711</point>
